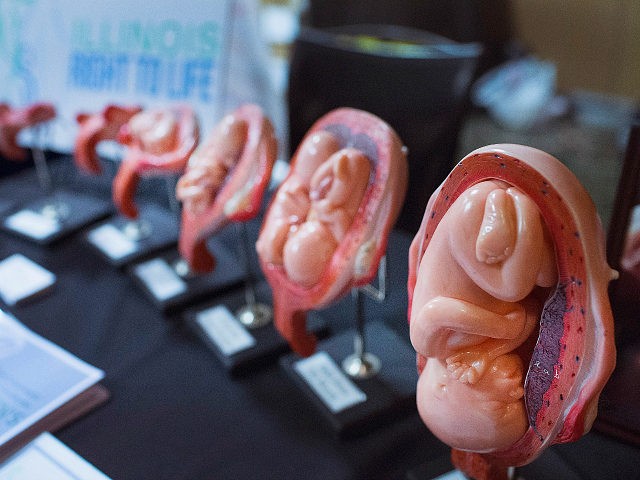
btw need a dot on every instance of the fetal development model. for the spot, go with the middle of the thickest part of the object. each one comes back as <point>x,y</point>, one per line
<point>95,128</point>
<point>13,120</point>
<point>225,180</point>
<point>159,142</point>
<point>327,226</point>
<point>509,310</point>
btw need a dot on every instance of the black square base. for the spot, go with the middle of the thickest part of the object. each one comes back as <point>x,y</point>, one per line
<point>434,469</point>
<point>269,344</point>
<point>550,466</point>
<point>5,206</point>
<point>77,211</point>
<point>162,227</point>
<point>389,395</point>
<point>227,274</point>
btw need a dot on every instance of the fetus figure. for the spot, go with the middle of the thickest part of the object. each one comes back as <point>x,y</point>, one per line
<point>210,164</point>
<point>154,131</point>
<point>225,180</point>
<point>159,142</point>
<point>481,293</point>
<point>314,209</point>
<point>327,226</point>
<point>509,310</point>
<point>13,120</point>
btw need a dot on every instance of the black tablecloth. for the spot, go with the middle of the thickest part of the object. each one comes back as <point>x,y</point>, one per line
<point>175,413</point>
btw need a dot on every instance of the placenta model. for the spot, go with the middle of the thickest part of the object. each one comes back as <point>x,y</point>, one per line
<point>159,142</point>
<point>224,181</point>
<point>509,311</point>
<point>12,120</point>
<point>95,128</point>
<point>327,226</point>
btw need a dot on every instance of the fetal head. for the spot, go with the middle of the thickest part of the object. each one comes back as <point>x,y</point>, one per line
<point>484,417</point>
<point>307,252</point>
<point>155,130</point>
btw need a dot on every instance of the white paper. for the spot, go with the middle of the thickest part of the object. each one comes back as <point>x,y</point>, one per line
<point>161,280</point>
<point>225,330</point>
<point>48,458</point>
<point>111,241</point>
<point>329,383</point>
<point>21,278</point>
<point>32,224</point>
<point>36,377</point>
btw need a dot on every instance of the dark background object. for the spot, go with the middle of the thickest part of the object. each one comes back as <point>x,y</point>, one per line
<point>487,22</point>
<point>619,414</point>
<point>416,81</point>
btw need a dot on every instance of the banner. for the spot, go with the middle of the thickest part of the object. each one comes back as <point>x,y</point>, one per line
<point>81,56</point>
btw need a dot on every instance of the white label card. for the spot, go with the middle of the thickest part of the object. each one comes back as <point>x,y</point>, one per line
<point>160,278</point>
<point>328,381</point>
<point>21,278</point>
<point>225,330</point>
<point>47,457</point>
<point>112,241</point>
<point>32,224</point>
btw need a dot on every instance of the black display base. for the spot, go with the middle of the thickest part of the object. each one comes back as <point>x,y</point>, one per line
<point>162,230</point>
<point>76,212</point>
<point>191,287</point>
<point>434,469</point>
<point>269,344</point>
<point>389,395</point>
<point>5,206</point>
<point>550,466</point>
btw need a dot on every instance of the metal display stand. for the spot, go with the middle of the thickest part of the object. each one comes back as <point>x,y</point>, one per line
<point>168,281</point>
<point>361,378</point>
<point>57,213</point>
<point>238,326</point>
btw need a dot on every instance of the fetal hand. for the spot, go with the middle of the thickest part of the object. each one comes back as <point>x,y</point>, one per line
<point>467,367</point>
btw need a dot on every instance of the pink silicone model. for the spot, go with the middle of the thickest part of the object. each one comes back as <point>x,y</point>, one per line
<point>96,127</point>
<point>160,142</point>
<point>327,227</point>
<point>225,181</point>
<point>508,279</point>
<point>14,120</point>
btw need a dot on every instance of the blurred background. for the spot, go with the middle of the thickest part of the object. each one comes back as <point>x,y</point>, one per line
<point>565,80</point>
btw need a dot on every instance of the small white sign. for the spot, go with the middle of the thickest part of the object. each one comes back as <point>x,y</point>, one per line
<point>112,241</point>
<point>21,278</point>
<point>225,330</point>
<point>331,385</point>
<point>47,457</point>
<point>160,278</point>
<point>32,224</point>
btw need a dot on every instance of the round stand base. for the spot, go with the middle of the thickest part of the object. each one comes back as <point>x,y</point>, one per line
<point>182,269</point>
<point>137,230</point>
<point>361,366</point>
<point>254,316</point>
<point>55,210</point>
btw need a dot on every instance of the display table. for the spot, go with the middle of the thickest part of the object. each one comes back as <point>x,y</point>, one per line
<point>175,412</point>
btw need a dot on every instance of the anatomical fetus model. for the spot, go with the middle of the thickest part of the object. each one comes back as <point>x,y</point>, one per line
<point>509,309</point>
<point>224,181</point>
<point>159,142</point>
<point>95,128</point>
<point>327,227</point>
<point>13,120</point>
